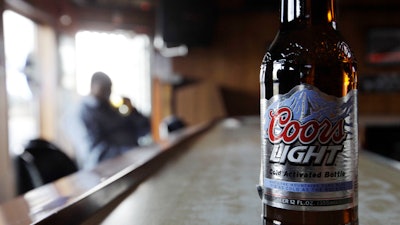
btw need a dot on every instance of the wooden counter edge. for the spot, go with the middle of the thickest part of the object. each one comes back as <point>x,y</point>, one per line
<point>79,207</point>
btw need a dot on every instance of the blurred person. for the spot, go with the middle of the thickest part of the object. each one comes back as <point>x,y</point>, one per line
<point>99,131</point>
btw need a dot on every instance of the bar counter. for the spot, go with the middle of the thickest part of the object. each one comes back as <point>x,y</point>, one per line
<point>207,179</point>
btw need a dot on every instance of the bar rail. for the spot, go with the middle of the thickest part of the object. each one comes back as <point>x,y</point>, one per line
<point>74,198</point>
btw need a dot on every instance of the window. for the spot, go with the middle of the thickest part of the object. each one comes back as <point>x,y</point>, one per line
<point>21,80</point>
<point>124,56</point>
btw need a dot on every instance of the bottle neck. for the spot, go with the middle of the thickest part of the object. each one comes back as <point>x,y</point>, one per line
<point>305,13</point>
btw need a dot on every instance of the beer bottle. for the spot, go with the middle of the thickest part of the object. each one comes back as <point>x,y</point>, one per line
<point>309,131</point>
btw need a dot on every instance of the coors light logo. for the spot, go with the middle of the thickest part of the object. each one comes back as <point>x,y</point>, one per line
<point>306,127</point>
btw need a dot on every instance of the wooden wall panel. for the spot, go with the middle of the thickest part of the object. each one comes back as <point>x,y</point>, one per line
<point>198,103</point>
<point>233,60</point>
<point>355,25</point>
<point>161,102</point>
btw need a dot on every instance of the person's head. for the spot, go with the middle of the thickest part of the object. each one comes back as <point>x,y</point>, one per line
<point>100,86</point>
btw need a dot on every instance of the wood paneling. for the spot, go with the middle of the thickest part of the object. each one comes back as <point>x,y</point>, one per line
<point>355,24</point>
<point>198,103</point>
<point>100,17</point>
<point>233,60</point>
<point>161,102</point>
<point>241,38</point>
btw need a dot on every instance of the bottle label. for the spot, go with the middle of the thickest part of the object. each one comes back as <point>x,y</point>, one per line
<point>310,150</point>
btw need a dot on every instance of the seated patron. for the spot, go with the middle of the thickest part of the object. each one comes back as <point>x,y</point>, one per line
<point>98,130</point>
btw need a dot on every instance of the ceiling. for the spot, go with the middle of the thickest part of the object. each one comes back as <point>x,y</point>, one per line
<point>145,5</point>
<point>140,15</point>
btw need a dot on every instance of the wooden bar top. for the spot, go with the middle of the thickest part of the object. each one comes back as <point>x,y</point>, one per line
<point>210,179</point>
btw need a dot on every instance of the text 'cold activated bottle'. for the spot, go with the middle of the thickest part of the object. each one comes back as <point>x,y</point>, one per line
<point>309,120</point>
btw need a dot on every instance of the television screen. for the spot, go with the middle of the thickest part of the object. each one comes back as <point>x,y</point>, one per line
<point>190,23</point>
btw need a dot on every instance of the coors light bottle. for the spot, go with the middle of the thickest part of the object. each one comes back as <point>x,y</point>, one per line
<point>309,120</point>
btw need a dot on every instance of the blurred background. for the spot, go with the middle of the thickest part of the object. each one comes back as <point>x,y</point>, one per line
<point>198,60</point>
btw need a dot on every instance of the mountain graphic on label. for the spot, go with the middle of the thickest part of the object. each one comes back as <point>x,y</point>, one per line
<point>308,103</point>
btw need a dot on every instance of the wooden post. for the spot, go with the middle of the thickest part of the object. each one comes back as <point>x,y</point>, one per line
<point>161,105</point>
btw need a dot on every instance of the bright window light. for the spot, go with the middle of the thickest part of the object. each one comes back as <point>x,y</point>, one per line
<point>124,56</point>
<point>22,82</point>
